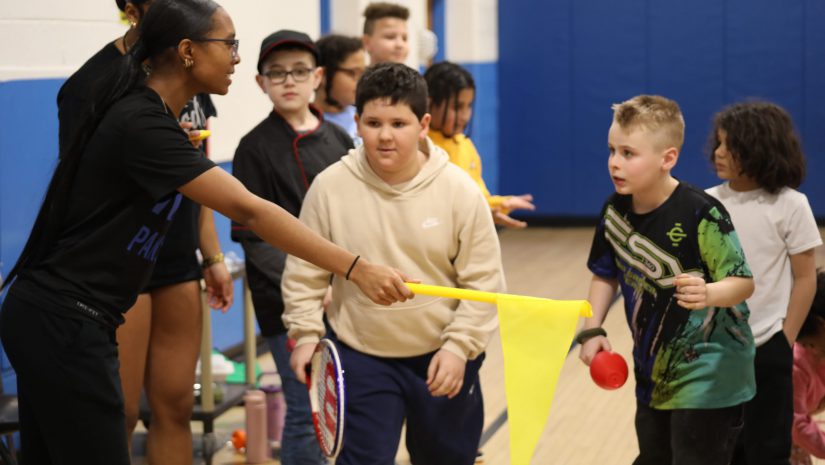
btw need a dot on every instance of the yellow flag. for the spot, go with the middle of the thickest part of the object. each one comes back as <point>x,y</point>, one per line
<point>536,335</point>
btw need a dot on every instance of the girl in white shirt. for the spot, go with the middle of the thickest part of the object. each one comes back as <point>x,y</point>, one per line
<point>755,149</point>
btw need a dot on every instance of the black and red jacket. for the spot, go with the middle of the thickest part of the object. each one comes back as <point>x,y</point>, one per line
<point>278,164</point>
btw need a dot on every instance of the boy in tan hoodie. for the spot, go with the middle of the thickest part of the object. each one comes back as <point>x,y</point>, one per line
<point>397,198</point>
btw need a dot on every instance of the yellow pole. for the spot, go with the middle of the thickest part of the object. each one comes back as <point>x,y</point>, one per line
<point>453,293</point>
<point>480,296</point>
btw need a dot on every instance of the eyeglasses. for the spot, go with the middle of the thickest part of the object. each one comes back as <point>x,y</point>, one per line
<point>234,43</point>
<point>354,73</point>
<point>278,76</point>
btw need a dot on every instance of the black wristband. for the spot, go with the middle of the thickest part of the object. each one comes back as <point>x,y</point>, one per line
<point>586,334</point>
<point>351,267</point>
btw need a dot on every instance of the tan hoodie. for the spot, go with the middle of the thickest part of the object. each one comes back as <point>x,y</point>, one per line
<point>437,227</point>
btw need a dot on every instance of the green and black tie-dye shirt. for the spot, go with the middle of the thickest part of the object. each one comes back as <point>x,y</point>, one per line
<point>683,358</point>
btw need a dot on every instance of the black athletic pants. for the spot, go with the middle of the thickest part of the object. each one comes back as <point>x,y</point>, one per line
<point>766,438</point>
<point>68,385</point>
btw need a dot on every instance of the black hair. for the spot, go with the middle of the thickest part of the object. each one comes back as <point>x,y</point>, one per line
<point>121,4</point>
<point>815,321</point>
<point>381,10</point>
<point>760,136</point>
<point>394,81</point>
<point>444,82</point>
<point>163,27</point>
<point>334,50</point>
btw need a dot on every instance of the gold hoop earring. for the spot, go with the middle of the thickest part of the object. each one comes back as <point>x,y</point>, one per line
<point>188,63</point>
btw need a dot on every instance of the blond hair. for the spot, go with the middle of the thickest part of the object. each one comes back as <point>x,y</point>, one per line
<point>659,115</point>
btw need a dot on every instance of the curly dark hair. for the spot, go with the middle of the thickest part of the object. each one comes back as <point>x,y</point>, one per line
<point>394,81</point>
<point>816,317</point>
<point>381,10</point>
<point>761,138</point>
<point>334,50</point>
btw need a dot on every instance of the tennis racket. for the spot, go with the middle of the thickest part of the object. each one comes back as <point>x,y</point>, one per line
<point>325,381</point>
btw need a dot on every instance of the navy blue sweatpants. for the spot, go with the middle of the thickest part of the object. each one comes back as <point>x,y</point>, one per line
<point>382,392</point>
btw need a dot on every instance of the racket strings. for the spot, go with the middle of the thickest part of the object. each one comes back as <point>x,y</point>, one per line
<point>327,401</point>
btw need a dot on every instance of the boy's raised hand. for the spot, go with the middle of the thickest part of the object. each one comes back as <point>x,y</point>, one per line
<point>691,292</point>
<point>519,202</point>
<point>445,375</point>
<point>501,216</point>
<point>300,358</point>
<point>593,346</point>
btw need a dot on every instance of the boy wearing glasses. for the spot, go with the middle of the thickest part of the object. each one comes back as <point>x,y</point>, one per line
<point>277,160</point>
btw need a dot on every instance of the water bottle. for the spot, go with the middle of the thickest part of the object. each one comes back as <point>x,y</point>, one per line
<point>257,443</point>
<point>275,413</point>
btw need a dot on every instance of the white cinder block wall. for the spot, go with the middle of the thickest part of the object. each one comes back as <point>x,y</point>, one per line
<point>52,38</point>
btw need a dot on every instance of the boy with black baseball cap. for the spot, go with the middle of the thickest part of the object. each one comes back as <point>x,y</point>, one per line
<point>277,160</point>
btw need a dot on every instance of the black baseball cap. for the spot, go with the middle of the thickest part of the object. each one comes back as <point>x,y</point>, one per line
<point>286,37</point>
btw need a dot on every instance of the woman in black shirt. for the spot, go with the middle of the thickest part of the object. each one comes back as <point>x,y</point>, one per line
<point>104,218</point>
<point>160,339</point>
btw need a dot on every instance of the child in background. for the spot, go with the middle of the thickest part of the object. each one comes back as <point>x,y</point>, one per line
<point>342,59</point>
<point>684,279</point>
<point>418,362</point>
<point>809,381</point>
<point>385,32</point>
<point>278,160</point>
<point>757,153</point>
<point>452,91</point>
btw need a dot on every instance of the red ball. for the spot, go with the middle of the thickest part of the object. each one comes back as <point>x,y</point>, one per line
<point>608,370</point>
<point>238,439</point>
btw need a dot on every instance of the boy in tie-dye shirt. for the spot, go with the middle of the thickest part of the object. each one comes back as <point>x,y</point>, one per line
<point>673,251</point>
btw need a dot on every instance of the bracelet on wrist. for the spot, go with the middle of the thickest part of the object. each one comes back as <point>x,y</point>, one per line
<point>587,334</point>
<point>213,260</point>
<point>351,267</point>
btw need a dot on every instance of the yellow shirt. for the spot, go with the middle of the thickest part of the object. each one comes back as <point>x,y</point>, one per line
<point>463,153</point>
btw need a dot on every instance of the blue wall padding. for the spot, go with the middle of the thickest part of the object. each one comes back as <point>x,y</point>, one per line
<point>562,63</point>
<point>28,154</point>
<point>439,28</point>
<point>483,128</point>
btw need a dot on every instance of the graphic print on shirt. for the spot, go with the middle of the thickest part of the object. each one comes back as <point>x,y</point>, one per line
<point>676,350</point>
<point>194,113</point>
<point>149,238</point>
